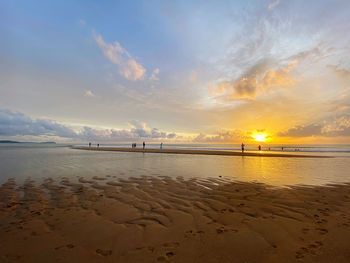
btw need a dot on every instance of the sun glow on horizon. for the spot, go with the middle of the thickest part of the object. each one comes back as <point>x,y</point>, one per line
<point>259,137</point>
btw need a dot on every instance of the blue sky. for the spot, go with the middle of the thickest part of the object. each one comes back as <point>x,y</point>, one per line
<point>210,71</point>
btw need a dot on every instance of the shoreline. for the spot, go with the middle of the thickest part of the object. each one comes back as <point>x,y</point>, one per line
<point>198,152</point>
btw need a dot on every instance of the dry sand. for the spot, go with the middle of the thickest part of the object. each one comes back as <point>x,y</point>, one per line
<point>159,219</point>
<point>198,152</point>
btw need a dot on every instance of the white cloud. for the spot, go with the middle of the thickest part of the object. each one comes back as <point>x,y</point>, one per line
<point>154,75</point>
<point>274,4</point>
<point>82,21</point>
<point>89,93</point>
<point>129,68</point>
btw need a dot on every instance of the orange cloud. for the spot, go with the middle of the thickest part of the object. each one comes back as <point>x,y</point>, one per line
<point>257,82</point>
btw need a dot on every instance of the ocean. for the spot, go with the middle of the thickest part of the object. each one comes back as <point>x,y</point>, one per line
<point>40,161</point>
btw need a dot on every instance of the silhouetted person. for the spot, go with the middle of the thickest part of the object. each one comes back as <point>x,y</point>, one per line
<point>242,147</point>
<point>259,147</point>
<point>98,145</point>
<point>143,145</point>
<point>282,148</point>
<point>161,145</point>
<point>89,144</point>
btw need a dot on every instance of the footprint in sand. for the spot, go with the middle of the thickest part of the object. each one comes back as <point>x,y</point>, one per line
<point>302,252</point>
<point>65,246</point>
<point>190,233</point>
<point>103,252</point>
<point>167,256</point>
<point>149,248</point>
<point>223,229</point>
<point>322,231</point>
<point>321,221</point>
<point>171,244</point>
<point>311,249</point>
<point>324,211</point>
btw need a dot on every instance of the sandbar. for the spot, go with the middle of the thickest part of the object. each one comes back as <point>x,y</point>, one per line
<point>199,152</point>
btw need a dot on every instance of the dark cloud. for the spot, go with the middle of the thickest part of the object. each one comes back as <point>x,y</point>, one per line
<point>18,124</point>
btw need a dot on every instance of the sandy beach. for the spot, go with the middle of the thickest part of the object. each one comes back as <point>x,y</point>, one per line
<point>160,219</point>
<point>198,152</point>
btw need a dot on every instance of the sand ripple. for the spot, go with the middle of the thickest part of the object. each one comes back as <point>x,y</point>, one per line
<point>160,219</point>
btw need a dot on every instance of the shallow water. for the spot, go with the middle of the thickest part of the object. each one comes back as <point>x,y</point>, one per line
<point>39,161</point>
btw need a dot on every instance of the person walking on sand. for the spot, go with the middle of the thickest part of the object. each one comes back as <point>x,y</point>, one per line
<point>259,147</point>
<point>89,144</point>
<point>161,145</point>
<point>98,145</point>
<point>242,147</point>
<point>143,145</point>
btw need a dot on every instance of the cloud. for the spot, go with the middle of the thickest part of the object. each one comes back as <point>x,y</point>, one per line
<point>274,4</point>
<point>82,22</point>
<point>340,72</point>
<point>89,93</point>
<point>141,130</point>
<point>154,75</point>
<point>302,131</point>
<point>338,126</point>
<point>18,124</point>
<point>256,80</point>
<point>279,78</point>
<point>129,68</point>
<point>219,137</point>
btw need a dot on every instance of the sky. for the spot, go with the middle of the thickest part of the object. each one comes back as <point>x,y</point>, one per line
<point>175,71</point>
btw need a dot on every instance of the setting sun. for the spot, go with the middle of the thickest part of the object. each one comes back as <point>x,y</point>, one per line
<point>259,137</point>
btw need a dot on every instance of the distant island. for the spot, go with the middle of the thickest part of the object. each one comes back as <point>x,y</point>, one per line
<point>8,141</point>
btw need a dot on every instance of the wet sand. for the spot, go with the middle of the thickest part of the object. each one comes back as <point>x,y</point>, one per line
<point>160,219</point>
<point>200,152</point>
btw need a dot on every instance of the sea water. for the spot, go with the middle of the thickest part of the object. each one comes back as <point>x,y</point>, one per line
<point>39,161</point>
